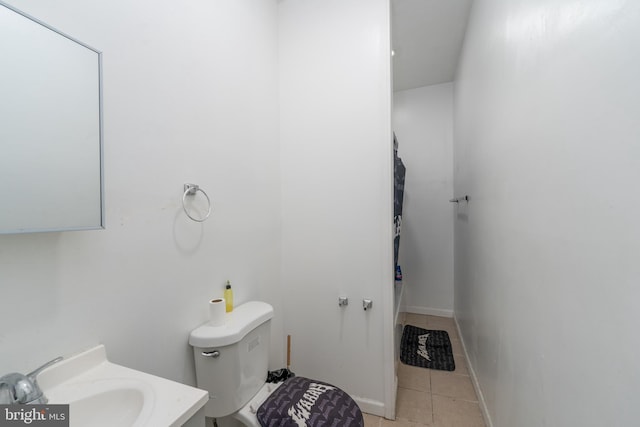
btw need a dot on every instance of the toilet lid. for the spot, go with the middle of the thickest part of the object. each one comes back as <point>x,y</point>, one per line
<point>302,401</point>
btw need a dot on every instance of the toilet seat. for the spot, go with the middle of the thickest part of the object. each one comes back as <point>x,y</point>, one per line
<point>277,399</point>
<point>306,402</point>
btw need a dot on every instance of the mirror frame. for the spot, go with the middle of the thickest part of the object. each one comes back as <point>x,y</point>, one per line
<point>101,225</point>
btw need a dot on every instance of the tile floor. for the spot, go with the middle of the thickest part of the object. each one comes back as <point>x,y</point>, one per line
<point>431,398</point>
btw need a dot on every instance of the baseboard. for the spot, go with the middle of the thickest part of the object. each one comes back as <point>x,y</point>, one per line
<point>474,379</point>
<point>369,406</point>
<point>429,311</point>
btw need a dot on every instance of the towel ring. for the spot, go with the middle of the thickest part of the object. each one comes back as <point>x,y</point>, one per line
<point>191,190</point>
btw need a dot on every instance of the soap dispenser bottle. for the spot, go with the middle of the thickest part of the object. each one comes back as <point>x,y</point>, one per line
<point>228,297</point>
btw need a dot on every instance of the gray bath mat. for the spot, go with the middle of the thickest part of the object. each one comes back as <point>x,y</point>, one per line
<point>426,348</point>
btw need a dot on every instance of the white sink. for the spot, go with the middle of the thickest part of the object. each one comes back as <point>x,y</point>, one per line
<point>113,407</point>
<point>100,393</point>
<point>107,402</point>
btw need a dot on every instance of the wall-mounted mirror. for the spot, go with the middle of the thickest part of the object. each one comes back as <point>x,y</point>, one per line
<point>50,128</point>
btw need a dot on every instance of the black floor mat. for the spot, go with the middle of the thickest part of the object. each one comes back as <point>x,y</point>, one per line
<point>426,348</point>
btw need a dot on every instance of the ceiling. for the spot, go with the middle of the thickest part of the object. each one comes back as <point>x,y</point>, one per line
<point>427,39</point>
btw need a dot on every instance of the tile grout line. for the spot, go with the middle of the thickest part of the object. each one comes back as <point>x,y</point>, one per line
<point>433,417</point>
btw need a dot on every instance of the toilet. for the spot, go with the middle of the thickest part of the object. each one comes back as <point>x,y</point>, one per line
<point>232,363</point>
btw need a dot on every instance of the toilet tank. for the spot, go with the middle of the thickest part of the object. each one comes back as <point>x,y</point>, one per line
<point>232,360</point>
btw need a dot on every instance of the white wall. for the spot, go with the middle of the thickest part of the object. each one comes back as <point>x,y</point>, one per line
<point>423,123</point>
<point>547,102</point>
<point>335,91</point>
<point>190,96</point>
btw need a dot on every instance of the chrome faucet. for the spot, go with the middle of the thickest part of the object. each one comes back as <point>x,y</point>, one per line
<point>17,388</point>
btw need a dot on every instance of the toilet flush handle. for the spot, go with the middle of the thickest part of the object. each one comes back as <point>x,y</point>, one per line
<point>214,353</point>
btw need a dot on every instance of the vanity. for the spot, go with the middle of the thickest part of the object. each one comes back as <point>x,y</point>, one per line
<point>104,394</point>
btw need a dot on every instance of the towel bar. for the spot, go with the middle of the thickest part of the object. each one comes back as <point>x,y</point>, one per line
<point>459,199</point>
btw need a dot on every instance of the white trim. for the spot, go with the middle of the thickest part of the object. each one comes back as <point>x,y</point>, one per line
<point>388,408</point>
<point>474,379</point>
<point>369,406</point>
<point>429,311</point>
